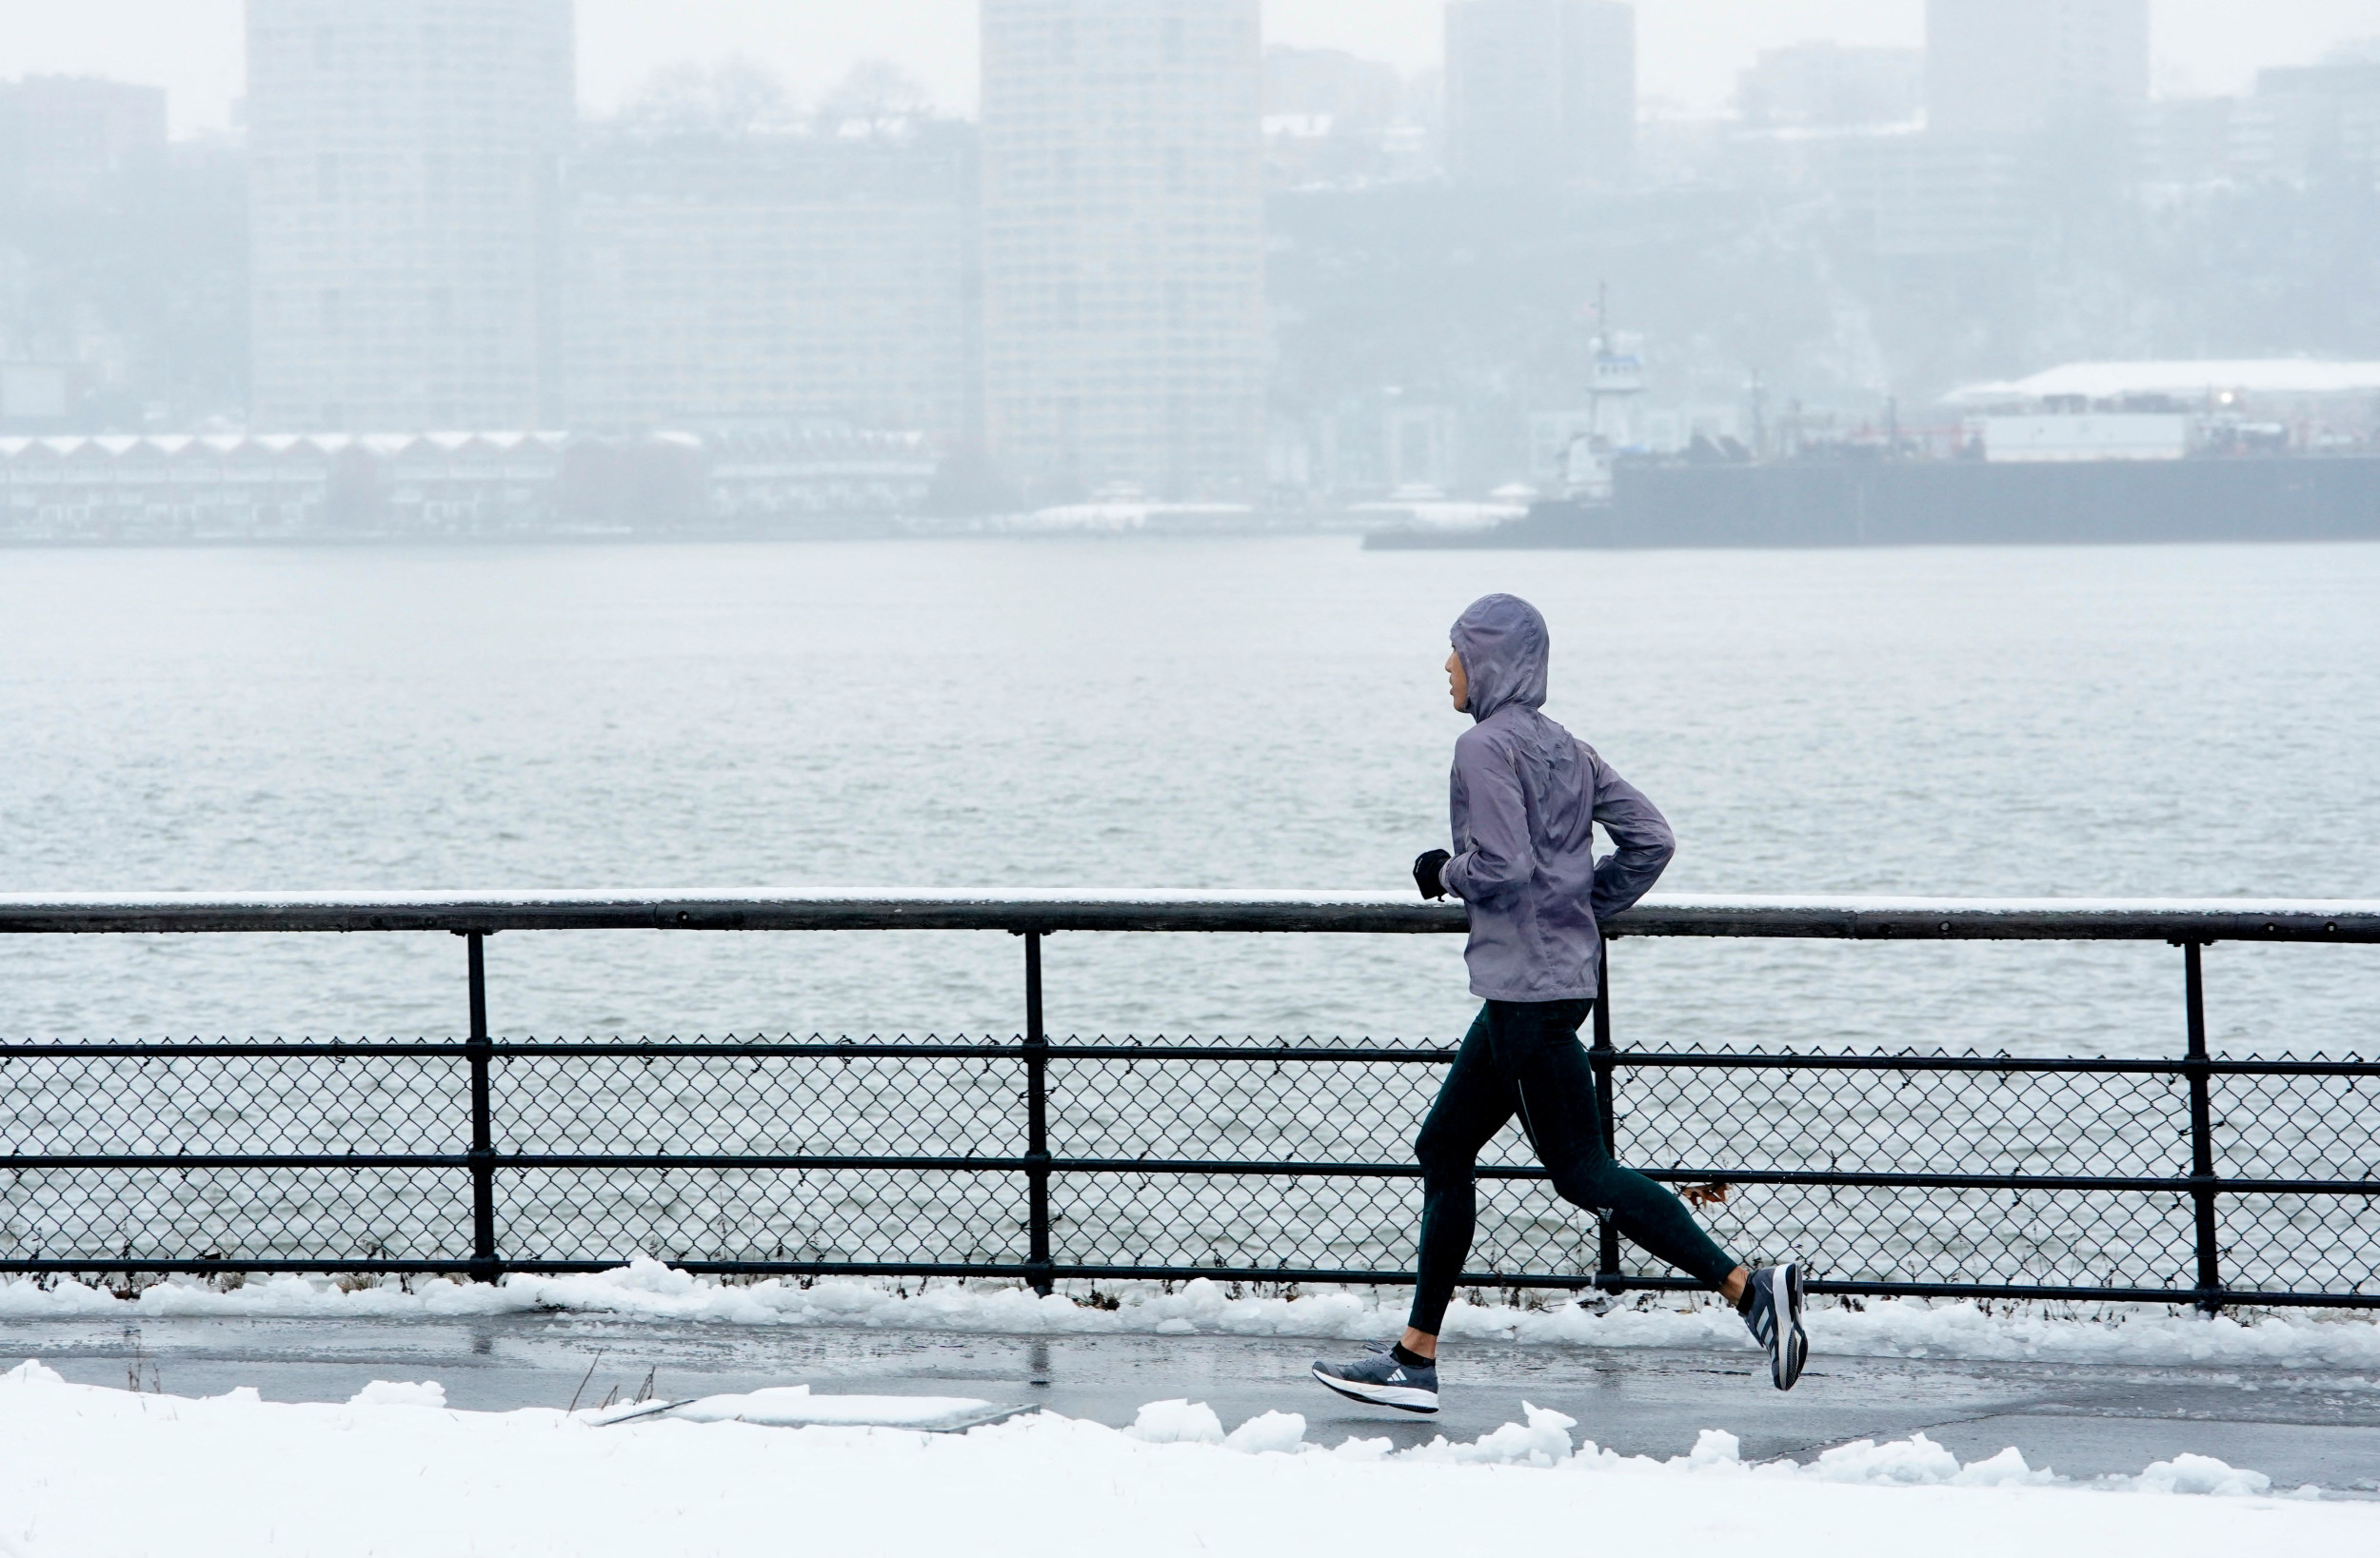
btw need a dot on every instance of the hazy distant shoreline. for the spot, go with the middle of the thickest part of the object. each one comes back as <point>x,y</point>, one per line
<point>652,538</point>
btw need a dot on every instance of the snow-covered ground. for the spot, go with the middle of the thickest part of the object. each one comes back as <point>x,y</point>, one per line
<point>96,1472</point>
<point>2137,1334</point>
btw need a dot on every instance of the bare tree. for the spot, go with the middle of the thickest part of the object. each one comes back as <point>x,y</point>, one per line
<point>874,98</point>
<point>730,97</point>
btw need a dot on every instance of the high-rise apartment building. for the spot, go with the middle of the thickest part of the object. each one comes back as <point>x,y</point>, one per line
<point>2022,66</point>
<point>1123,246</point>
<point>405,161</point>
<point>1541,93</point>
<point>64,138</point>
<point>2311,120</point>
<point>725,279</point>
<point>1829,85</point>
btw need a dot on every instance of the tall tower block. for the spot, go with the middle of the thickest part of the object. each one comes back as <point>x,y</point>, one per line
<point>1123,246</point>
<point>405,187</point>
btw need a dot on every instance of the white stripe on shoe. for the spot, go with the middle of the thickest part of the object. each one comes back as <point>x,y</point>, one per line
<point>1792,1348</point>
<point>1411,1398</point>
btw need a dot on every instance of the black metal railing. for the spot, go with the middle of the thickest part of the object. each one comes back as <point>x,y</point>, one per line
<point>2200,1179</point>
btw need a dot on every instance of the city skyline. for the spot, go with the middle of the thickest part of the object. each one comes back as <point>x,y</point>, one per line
<point>1690,52</point>
<point>1165,263</point>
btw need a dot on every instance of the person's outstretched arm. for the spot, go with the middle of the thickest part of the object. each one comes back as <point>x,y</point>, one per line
<point>1640,835</point>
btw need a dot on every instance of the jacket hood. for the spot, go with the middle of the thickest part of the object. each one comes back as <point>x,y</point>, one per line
<point>1504,645</point>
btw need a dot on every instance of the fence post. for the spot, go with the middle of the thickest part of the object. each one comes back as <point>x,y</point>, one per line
<point>1036,1120</point>
<point>2201,1131</point>
<point>482,1154</point>
<point>1600,1055</point>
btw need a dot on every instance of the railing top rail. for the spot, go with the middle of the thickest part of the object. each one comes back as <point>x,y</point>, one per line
<point>1662,914</point>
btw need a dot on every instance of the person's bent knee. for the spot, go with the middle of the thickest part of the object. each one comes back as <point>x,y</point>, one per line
<point>1586,1190</point>
<point>1441,1160</point>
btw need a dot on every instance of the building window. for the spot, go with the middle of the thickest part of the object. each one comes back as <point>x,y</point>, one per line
<point>327,176</point>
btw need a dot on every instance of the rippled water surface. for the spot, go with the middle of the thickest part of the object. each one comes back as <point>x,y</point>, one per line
<point>1212,714</point>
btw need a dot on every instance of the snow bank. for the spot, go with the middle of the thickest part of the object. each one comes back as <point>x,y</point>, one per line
<point>1181,1422</point>
<point>392,1473</point>
<point>648,1290</point>
<point>387,1393</point>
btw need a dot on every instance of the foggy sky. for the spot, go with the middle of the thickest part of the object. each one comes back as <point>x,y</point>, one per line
<point>1689,48</point>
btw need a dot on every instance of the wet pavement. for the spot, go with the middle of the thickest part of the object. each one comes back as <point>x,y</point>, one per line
<point>2296,1425</point>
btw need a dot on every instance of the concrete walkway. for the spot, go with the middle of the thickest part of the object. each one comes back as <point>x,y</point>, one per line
<point>2297,1426</point>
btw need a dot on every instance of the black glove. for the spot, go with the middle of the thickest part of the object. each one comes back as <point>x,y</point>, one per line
<point>1425,868</point>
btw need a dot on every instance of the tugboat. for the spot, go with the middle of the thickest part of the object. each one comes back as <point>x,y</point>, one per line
<point>1582,515</point>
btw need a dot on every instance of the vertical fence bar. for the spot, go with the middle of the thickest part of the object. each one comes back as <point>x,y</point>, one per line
<point>1599,1055</point>
<point>476,1049</point>
<point>2201,1131</point>
<point>1036,1118</point>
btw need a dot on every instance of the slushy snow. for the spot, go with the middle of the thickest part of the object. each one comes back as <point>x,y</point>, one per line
<point>1913,1328</point>
<point>94,1472</point>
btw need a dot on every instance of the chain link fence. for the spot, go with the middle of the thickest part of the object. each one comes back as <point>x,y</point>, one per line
<point>2198,1179</point>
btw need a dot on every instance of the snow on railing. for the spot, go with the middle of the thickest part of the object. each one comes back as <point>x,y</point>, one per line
<point>1152,908</point>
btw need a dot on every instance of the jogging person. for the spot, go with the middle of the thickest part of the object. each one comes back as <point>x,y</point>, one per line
<point>1523,798</point>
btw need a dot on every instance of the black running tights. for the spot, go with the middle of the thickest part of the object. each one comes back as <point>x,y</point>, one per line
<point>1525,1057</point>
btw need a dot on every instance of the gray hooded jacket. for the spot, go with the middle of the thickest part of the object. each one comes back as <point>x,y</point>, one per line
<point>1523,798</point>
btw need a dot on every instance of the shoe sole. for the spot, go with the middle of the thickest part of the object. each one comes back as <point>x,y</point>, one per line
<point>1403,1397</point>
<point>1792,1342</point>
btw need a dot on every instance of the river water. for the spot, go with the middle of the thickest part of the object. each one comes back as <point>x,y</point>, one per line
<point>1201,712</point>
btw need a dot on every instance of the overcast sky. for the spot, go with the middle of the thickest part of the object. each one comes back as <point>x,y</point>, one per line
<point>1689,50</point>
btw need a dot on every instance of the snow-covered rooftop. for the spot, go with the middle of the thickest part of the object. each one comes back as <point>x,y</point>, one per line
<point>2199,377</point>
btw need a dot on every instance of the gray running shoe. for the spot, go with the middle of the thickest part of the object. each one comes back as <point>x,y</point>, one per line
<point>1775,1318</point>
<point>1380,1380</point>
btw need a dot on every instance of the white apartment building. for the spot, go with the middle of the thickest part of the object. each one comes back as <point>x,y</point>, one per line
<point>2304,123</point>
<point>1123,246</point>
<point>63,138</point>
<point>405,170</point>
<point>2021,67</point>
<point>1823,86</point>
<point>715,281</point>
<point>1541,93</point>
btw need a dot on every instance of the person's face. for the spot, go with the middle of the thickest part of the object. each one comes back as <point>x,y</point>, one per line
<point>1457,684</point>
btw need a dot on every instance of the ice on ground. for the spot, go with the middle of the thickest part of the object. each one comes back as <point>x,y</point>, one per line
<point>647,1288</point>
<point>793,1406</point>
<point>233,1474</point>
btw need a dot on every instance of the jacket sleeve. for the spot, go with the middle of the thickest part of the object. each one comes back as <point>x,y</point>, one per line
<point>1495,858</point>
<point>1640,835</point>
